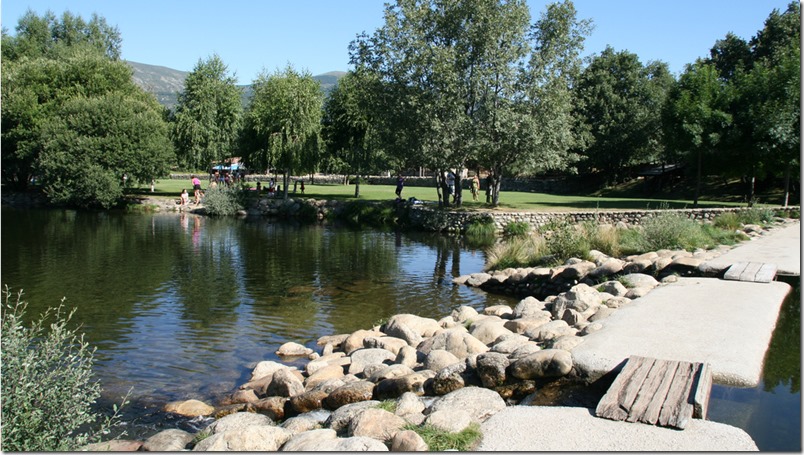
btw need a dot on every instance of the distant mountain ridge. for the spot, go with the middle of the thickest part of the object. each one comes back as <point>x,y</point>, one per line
<point>165,83</point>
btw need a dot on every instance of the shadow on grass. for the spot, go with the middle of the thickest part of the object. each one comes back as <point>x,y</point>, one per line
<point>629,204</point>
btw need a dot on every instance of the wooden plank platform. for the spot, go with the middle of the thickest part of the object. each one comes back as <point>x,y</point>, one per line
<point>658,392</point>
<point>756,272</point>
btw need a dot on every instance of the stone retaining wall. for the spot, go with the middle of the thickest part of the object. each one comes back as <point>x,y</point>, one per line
<point>432,219</point>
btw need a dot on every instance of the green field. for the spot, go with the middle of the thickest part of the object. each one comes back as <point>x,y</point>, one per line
<point>509,200</point>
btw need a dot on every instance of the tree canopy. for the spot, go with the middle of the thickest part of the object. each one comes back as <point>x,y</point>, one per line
<point>208,115</point>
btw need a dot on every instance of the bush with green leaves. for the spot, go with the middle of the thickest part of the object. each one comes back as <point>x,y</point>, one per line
<point>566,240</point>
<point>673,231</point>
<point>48,390</point>
<point>223,201</point>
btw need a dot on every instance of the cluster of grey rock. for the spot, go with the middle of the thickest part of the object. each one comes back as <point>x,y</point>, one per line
<point>449,373</point>
<point>547,281</point>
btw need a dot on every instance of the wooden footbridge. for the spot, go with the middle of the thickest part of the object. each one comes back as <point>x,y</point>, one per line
<point>667,393</point>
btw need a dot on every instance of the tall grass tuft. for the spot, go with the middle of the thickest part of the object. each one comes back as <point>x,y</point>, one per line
<point>517,252</point>
<point>48,388</point>
<point>439,440</point>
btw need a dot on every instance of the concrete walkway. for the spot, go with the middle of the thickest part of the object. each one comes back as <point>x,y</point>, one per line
<point>728,324</point>
<point>559,429</point>
<point>781,246</point>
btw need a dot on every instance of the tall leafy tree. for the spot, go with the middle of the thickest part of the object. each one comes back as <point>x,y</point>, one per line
<point>72,116</point>
<point>80,125</point>
<point>533,125</point>
<point>208,115</point>
<point>48,35</point>
<point>696,117</point>
<point>620,103</point>
<point>452,72</point>
<point>347,127</point>
<point>283,123</point>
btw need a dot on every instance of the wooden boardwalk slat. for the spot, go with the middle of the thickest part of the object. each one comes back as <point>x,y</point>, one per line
<point>766,273</point>
<point>756,272</point>
<point>733,273</point>
<point>658,392</point>
<point>750,271</point>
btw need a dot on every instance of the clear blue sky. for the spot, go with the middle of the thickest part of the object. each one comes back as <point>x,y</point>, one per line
<point>314,35</point>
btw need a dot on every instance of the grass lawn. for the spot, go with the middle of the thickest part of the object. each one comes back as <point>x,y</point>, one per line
<point>509,200</point>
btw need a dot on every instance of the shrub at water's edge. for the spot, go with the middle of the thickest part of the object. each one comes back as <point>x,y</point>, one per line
<point>48,388</point>
<point>223,201</point>
<point>439,440</point>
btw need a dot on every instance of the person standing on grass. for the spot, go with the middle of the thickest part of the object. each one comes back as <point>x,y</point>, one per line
<point>400,183</point>
<point>197,189</point>
<point>475,187</point>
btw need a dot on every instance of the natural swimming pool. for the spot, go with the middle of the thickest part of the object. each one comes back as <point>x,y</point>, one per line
<point>181,306</point>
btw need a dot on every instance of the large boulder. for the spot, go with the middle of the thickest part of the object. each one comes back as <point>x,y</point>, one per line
<point>409,403</point>
<point>259,438</point>
<point>550,331</point>
<point>615,288</point>
<point>349,393</point>
<point>408,441</point>
<point>285,383</point>
<point>449,379</point>
<point>300,424</point>
<point>355,341</point>
<point>172,440</point>
<point>292,349</point>
<point>390,371</point>
<point>237,421</point>
<point>189,408</point>
<point>409,357</point>
<point>266,368</point>
<point>607,268</point>
<point>358,444</point>
<point>340,418</point>
<point>581,298</point>
<point>322,375</point>
<point>524,324</point>
<point>424,327</point>
<point>376,423</point>
<point>576,271</point>
<point>362,358</point>
<point>390,344</point>
<point>336,358</point>
<point>491,368</point>
<point>397,328</point>
<point>638,280</point>
<point>311,441</point>
<point>480,403</point>
<point>498,310</point>
<point>459,343</point>
<point>529,307</point>
<point>395,387</point>
<point>273,407</point>
<point>449,420</point>
<point>464,313</point>
<point>509,343</point>
<point>548,363</point>
<point>489,329</point>
<point>439,358</point>
<point>305,402</point>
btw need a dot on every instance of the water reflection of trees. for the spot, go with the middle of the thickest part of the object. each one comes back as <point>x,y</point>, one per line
<point>783,359</point>
<point>307,276</point>
<point>95,260</point>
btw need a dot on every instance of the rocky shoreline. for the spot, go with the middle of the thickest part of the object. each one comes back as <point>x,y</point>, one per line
<point>370,389</point>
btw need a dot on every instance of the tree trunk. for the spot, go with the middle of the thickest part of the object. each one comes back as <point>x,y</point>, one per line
<point>285,181</point>
<point>458,187</point>
<point>495,193</point>
<point>357,186</point>
<point>751,189</point>
<point>697,181</point>
<point>438,185</point>
<point>786,185</point>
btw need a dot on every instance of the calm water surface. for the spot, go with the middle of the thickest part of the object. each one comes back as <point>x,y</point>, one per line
<point>183,307</point>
